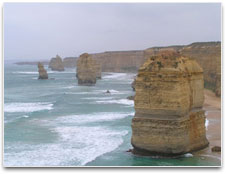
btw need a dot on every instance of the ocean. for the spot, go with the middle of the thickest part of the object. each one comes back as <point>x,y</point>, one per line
<point>55,122</point>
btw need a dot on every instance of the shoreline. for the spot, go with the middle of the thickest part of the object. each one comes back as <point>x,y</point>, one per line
<point>212,107</point>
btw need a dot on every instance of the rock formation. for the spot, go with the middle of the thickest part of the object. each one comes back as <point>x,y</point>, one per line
<point>130,97</point>
<point>87,70</point>
<point>56,64</point>
<point>169,119</point>
<point>42,72</point>
<point>133,84</point>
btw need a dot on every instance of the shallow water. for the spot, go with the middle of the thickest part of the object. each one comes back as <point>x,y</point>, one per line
<point>58,123</point>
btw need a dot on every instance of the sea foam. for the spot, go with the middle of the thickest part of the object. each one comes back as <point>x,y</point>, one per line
<point>76,146</point>
<point>206,123</point>
<point>27,107</point>
<point>121,101</point>
<point>94,117</point>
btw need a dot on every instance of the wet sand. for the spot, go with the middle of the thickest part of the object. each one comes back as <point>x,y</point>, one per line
<point>212,106</point>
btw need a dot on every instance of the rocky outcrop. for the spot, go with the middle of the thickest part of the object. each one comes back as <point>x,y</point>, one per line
<point>133,84</point>
<point>87,70</point>
<point>130,97</point>
<point>56,64</point>
<point>69,62</point>
<point>42,72</point>
<point>169,119</point>
<point>216,149</point>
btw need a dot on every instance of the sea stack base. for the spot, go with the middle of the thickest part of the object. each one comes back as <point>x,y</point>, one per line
<point>153,137</point>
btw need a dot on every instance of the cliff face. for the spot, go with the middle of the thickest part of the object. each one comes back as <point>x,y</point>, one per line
<point>42,72</point>
<point>169,119</point>
<point>56,64</point>
<point>207,54</point>
<point>69,62</point>
<point>87,70</point>
<point>119,61</point>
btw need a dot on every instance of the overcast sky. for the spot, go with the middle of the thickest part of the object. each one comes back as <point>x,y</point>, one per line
<point>40,31</point>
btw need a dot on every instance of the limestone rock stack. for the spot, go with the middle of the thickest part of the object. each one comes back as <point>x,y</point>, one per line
<point>169,119</point>
<point>88,70</point>
<point>42,72</point>
<point>56,64</point>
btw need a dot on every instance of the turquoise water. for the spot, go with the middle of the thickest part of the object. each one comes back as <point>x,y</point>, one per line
<point>55,122</point>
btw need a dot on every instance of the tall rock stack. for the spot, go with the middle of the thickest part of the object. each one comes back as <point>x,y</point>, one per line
<point>87,70</point>
<point>56,64</point>
<point>42,72</point>
<point>169,119</point>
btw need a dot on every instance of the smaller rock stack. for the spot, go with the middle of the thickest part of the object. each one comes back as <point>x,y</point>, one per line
<point>56,64</point>
<point>87,70</point>
<point>42,72</point>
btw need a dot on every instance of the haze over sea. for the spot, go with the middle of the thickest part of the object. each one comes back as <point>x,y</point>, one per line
<point>55,122</point>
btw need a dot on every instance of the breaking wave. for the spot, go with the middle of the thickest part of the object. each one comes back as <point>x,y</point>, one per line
<point>27,107</point>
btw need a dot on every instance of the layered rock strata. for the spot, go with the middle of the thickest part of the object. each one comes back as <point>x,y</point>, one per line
<point>42,72</point>
<point>88,70</point>
<point>169,119</point>
<point>56,64</point>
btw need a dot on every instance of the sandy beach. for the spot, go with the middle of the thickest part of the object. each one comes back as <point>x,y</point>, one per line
<point>212,107</point>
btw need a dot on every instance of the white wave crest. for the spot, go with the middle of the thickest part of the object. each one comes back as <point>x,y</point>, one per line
<point>112,92</point>
<point>27,107</point>
<point>95,117</point>
<point>206,123</point>
<point>121,101</point>
<point>25,72</point>
<point>188,155</point>
<point>98,98</point>
<point>119,76</point>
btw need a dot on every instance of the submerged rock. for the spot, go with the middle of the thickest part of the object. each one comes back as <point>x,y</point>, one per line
<point>108,92</point>
<point>42,72</point>
<point>56,64</point>
<point>87,70</point>
<point>169,119</point>
<point>130,97</point>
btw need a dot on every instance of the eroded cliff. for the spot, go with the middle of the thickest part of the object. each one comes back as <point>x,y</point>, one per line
<point>169,119</point>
